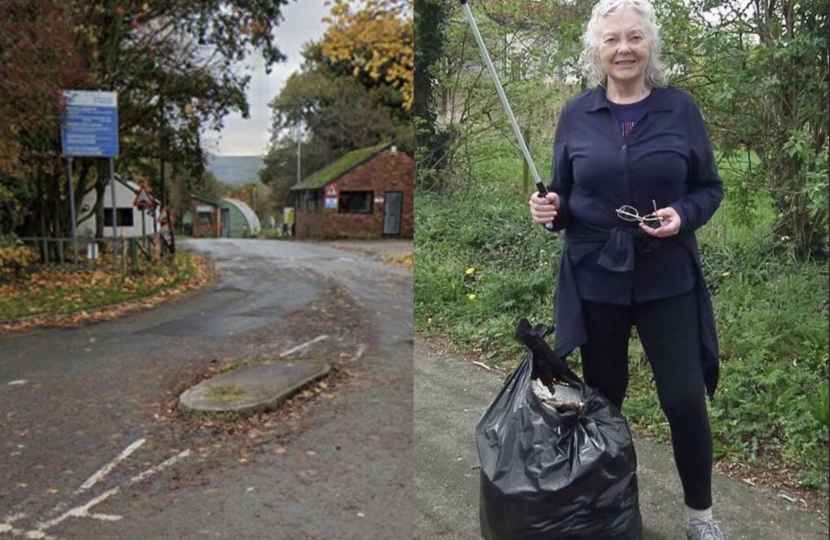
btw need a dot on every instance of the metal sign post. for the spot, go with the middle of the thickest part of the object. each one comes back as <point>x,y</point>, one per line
<point>72,212</point>
<point>143,201</point>
<point>114,217</point>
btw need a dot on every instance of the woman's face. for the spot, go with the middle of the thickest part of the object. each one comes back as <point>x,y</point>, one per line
<point>623,47</point>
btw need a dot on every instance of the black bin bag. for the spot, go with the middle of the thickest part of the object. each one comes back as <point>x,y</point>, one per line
<point>554,473</point>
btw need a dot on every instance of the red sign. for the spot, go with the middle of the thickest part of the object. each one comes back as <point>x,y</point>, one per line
<point>143,199</point>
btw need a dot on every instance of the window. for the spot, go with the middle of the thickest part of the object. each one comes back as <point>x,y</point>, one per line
<point>313,200</point>
<point>204,218</point>
<point>124,217</point>
<point>355,202</point>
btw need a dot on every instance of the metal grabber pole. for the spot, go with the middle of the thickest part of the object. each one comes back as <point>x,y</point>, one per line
<point>516,131</point>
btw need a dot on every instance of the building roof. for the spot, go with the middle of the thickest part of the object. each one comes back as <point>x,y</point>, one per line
<point>202,199</point>
<point>338,168</point>
<point>129,184</point>
<point>247,212</point>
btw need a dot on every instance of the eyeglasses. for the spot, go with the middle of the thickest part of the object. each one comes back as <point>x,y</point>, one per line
<point>629,213</point>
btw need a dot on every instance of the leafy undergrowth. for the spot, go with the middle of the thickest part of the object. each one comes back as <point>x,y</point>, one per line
<point>61,296</point>
<point>482,264</point>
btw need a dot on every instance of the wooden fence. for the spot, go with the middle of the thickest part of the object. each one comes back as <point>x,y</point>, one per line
<point>129,253</point>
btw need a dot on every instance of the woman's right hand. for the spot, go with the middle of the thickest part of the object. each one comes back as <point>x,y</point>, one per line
<point>544,209</point>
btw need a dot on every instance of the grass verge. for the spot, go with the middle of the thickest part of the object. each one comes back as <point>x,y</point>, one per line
<point>60,296</point>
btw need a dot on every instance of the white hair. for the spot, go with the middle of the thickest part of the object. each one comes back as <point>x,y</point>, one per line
<point>656,72</point>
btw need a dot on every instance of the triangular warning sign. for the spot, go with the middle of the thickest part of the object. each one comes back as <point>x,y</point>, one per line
<point>331,191</point>
<point>143,199</point>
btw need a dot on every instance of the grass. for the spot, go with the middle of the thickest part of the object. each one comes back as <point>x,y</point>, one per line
<point>226,393</point>
<point>482,264</point>
<point>63,291</point>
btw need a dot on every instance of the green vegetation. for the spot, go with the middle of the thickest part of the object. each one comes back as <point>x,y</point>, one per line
<point>482,264</point>
<point>50,292</point>
<point>226,393</point>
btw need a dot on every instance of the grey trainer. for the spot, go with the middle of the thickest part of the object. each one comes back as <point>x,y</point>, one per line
<point>703,529</point>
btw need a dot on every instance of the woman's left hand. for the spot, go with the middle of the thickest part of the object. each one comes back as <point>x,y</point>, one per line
<point>669,226</point>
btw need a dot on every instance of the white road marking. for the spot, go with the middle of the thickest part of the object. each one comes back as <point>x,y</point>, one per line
<point>99,475</point>
<point>103,471</point>
<point>157,468</point>
<point>34,535</point>
<point>83,511</point>
<point>6,526</point>
<point>21,381</point>
<point>303,346</point>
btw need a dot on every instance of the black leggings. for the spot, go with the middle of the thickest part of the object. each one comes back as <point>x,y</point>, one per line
<point>669,332</point>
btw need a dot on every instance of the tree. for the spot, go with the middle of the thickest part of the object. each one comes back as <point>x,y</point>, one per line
<point>37,59</point>
<point>280,171</point>
<point>337,112</point>
<point>760,71</point>
<point>532,45</point>
<point>431,143</point>
<point>173,67</point>
<point>187,183</point>
<point>376,41</point>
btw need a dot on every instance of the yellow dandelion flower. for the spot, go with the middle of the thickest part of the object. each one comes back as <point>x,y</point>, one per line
<point>470,271</point>
<point>726,273</point>
<point>471,296</point>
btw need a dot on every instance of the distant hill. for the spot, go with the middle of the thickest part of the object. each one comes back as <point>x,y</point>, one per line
<point>235,170</point>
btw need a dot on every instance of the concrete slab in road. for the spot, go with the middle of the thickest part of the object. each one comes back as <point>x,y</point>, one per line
<point>450,397</point>
<point>252,389</point>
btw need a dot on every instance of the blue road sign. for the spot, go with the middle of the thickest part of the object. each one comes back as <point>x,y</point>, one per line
<point>90,124</point>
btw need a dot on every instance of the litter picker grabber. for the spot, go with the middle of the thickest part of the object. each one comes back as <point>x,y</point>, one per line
<point>540,186</point>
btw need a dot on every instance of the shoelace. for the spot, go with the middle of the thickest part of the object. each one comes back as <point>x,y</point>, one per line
<point>707,528</point>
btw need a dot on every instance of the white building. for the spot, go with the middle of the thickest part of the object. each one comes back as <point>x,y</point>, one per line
<point>128,217</point>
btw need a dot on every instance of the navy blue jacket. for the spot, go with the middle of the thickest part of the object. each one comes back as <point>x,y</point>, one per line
<point>668,159</point>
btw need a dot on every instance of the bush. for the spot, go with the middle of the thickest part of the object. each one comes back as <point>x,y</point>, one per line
<point>14,257</point>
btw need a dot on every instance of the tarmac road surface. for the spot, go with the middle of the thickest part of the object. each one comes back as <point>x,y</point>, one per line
<point>91,449</point>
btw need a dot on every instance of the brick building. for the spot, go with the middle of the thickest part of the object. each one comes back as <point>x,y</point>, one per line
<point>368,193</point>
<point>204,215</point>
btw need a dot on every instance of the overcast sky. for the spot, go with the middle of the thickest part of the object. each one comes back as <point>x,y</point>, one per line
<point>250,137</point>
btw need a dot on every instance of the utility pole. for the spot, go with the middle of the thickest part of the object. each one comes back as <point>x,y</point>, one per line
<point>299,145</point>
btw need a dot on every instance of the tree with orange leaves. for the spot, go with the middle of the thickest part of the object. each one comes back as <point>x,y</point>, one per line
<point>375,40</point>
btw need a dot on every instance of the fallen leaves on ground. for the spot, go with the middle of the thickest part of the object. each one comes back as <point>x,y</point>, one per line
<point>405,260</point>
<point>67,297</point>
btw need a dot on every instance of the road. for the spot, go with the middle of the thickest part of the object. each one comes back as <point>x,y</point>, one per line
<point>451,394</point>
<point>92,447</point>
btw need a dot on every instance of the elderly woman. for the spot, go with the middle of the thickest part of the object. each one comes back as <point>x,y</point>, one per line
<point>633,177</point>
